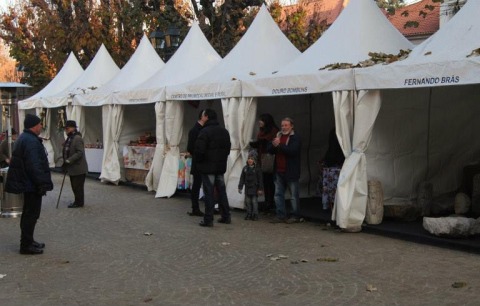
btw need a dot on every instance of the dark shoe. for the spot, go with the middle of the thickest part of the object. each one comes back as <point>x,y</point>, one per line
<point>196,213</point>
<point>224,220</point>
<point>248,217</point>
<point>205,224</point>
<point>254,217</point>
<point>30,250</point>
<point>38,245</point>
<point>73,205</point>
<point>277,220</point>
<point>294,220</point>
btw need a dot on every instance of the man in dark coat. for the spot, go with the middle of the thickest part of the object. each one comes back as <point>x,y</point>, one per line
<point>197,177</point>
<point>211,153</point>
<point>75,162</point>
<point>29,174</point>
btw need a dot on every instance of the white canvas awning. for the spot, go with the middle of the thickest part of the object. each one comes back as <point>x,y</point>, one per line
<point>69,73</point>
<point>360,29</point>
<point>101,70</point>
<point>449,57</point>
<point>142,65</point>
<point>263,48</point>
<point>194,57</point>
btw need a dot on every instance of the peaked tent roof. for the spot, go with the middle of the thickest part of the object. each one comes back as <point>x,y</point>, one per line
<point>263,48</point>
<point>142,65</point>
<point>449,57</point>
<point>101,70</point>
<point>360,29</point>
<point>194,57</point>
<point>70,71</point>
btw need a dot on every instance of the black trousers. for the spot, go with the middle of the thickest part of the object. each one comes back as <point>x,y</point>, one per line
<point>32,205</point>
<point>195,194</point>
<point>78,182</point>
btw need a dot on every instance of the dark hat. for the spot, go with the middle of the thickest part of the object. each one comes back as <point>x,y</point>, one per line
<point>253,155</point>
<point>71,123</point>
<point>30,121</point>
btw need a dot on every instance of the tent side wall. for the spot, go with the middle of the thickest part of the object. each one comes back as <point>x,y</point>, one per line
<point>424,135</point>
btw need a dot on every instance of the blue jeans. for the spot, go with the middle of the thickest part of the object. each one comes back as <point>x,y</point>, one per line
<point>210,182</point>
<point>281,185</point>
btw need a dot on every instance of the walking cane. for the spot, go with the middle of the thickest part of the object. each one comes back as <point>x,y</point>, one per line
<point>61,188</point>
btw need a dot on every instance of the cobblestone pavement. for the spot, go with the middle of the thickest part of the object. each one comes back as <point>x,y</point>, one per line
<point>101,255</point>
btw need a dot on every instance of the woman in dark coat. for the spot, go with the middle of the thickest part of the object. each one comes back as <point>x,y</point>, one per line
<point>267,131</point>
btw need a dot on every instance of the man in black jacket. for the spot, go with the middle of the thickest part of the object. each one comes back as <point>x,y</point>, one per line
<point>211,153</point>
<point>197,177</point>
<point>29,174</point>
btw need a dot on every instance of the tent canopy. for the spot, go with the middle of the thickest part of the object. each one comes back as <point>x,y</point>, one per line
<point>262,49</point>
<point>360,29</point>
<point>141,66</point>
<point>101,70</point>
<point>449,57</point>
<point>70,71</point>
<point>194,57</point>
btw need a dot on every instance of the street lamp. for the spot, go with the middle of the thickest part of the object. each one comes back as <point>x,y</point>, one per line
<point>165,43</point>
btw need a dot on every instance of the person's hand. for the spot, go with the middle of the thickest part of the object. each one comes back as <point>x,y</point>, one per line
<point>41,190</point>
<point>240,191</point>
<point>276,142</point>
<point>260,192</point>
<point>64,167</point>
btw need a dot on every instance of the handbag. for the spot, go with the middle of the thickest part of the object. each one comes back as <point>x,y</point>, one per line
<point>267,161</point>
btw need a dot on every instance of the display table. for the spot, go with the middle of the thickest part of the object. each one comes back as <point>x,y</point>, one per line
<point>137,161</point>
<point>94,159</point>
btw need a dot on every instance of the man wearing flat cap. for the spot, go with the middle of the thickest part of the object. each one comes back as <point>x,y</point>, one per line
<point>75,163</point>
<point>29,174</point>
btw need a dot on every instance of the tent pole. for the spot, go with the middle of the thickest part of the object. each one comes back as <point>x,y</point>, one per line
<point>429,110</point>
<point>310,99</point>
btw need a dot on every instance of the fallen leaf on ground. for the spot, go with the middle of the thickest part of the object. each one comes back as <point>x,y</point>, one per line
<point>371,288</point>
<point>459,284</point>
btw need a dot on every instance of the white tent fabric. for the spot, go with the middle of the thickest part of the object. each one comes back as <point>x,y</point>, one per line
<point>70,71</point>
<point>167,185</point>
<point>77,113</point>
<point>425,134</point>
<point>361,28</point>
<point>449,57</point>
<point>262,49</point>
<point>45,135</point>
<point>239,122</point>
<point>144,63</point>
<point>153,177</point>
<point>194,57</point>
<point>354,119</point>
<point>112,119</point>
<point>101,70</point>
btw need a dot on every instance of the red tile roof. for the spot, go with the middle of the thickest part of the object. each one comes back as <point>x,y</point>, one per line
<point>328,10</point>
<point>321,10</point>
<point>427,24</point>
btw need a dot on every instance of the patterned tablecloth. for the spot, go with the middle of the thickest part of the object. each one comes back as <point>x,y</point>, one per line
<point>138,157</point>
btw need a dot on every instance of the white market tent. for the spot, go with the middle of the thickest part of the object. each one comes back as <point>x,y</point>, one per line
<point>263,48</point>
<point>70,71</point>
<point>360,29</point>
<point>142,65</point>
<point>101,70</point>
<point>426,130</point>
<point>194,57</point>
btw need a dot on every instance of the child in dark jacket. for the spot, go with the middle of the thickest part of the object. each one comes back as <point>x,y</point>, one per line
<point>252,178</point>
